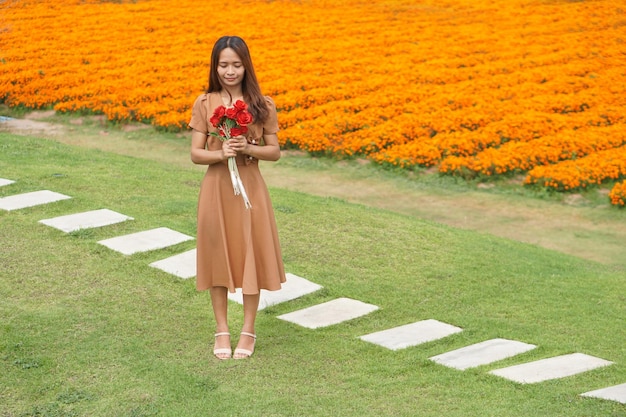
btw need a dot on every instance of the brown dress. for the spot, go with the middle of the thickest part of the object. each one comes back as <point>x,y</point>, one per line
<point>236,247</point>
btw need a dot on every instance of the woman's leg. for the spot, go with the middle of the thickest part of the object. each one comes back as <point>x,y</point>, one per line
<point>250,307</point>
<point>219,300</point>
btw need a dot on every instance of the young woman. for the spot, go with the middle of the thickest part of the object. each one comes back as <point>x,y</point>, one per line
<point>237,247</point>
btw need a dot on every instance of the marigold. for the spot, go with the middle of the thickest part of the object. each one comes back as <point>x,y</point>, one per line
<point>471,87</point>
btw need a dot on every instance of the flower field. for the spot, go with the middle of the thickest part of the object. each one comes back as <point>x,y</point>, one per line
<point>476,88</point>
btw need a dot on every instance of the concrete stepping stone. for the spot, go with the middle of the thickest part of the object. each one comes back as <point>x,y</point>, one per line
<point>551,368</point>
<point>614,393</point>
<point>182,265</point>
<point>148,240</point>
<point>85,220</point>
<point>35,198</point>
<point>295,287</point>
<point>482,353</point>
<point>329,313</point>
<point>4,181</point>
<point>413,334</point>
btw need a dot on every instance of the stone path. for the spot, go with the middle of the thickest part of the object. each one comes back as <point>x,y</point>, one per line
<point>614,393</point>
<point>329,313</point>
<point>411,334</point>
<point>332,312</point>
<point>148,240</point>
<point>482,353</point>
<point>4,181</point>
<point>85,220</point>
<point>295,287</point>
<point>551,368</point>
<point>35,198</point>
<point>182,265</point>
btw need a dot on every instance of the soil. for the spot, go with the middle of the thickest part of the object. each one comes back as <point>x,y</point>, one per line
<point>576,226</point>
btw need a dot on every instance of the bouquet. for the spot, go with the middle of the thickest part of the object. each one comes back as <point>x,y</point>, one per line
<point>231,122</point>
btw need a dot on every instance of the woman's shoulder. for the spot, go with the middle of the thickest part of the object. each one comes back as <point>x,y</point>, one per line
<point>203,97</point>
<point>206,101</point>
<point>200,99</point>
<point>270,101</point>
<point>206,96</point>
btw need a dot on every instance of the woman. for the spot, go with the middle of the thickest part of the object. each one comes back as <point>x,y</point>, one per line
<point>237,247</point>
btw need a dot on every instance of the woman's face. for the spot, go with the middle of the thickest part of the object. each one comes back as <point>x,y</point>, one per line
<point>230,68</point>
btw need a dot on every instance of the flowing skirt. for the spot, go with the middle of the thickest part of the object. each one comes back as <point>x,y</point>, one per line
<point>237,247</point>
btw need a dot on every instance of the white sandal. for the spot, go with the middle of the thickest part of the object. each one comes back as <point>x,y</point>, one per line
<point>226,353</point>
<point>244,353</point>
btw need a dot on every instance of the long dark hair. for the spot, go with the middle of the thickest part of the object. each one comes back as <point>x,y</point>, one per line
<point>257,106</point>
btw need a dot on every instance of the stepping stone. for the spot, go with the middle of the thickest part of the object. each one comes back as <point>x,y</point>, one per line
<point>482,353</point>
<point>411,334</point>
<point>148,240</point>
<point>182,265</point>
<point>329,313</point>
<point>295,287</point>
<point>5,182</point>
<point>614,393</point>
<point>551,368</point>
<point>85,220</point>
<point>19,201</point>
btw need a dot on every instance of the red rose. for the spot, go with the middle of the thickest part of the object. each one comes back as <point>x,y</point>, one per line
<point>238,131</point>
<point>231,112</point>
<point>215,121</point>
<point>244,118</point>
<point>217,116</point>
<point>240,106</point>
<point>219,111</point>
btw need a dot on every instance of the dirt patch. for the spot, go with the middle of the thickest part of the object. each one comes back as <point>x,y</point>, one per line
<point>39,115</point>
<point>30,127</point>
<point>98,119</point>
<point>575,199</point>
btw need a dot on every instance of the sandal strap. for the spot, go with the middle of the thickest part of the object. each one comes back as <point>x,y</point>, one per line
<point>246,352</point>
<point>227,351</point>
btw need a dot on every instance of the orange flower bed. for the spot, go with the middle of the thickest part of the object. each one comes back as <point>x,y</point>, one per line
<point>523,155</point>
<point>581,173</point>
<point>471,86</point>
<point>618,194</point>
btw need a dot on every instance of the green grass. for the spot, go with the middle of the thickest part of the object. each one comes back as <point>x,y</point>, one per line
<point>86,331</point>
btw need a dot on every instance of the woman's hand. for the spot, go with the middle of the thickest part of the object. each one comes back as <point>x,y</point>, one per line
<point>238,144</point>
<point>229,149</point>
<point>269,151</point>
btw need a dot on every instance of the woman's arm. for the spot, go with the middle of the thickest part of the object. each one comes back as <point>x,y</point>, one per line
<point>202,156</point>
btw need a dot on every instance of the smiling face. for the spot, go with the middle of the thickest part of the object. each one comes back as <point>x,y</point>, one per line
<point>230,68</point>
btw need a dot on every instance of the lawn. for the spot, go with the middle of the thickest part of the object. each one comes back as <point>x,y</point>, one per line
<point>86,331</point>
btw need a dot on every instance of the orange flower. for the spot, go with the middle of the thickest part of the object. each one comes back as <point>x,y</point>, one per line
<point>473,88</point>
<point>618,194</point>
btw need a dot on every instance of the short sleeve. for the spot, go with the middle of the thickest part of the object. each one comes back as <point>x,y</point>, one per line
<point>199,115</point>
<point>271,124</point>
